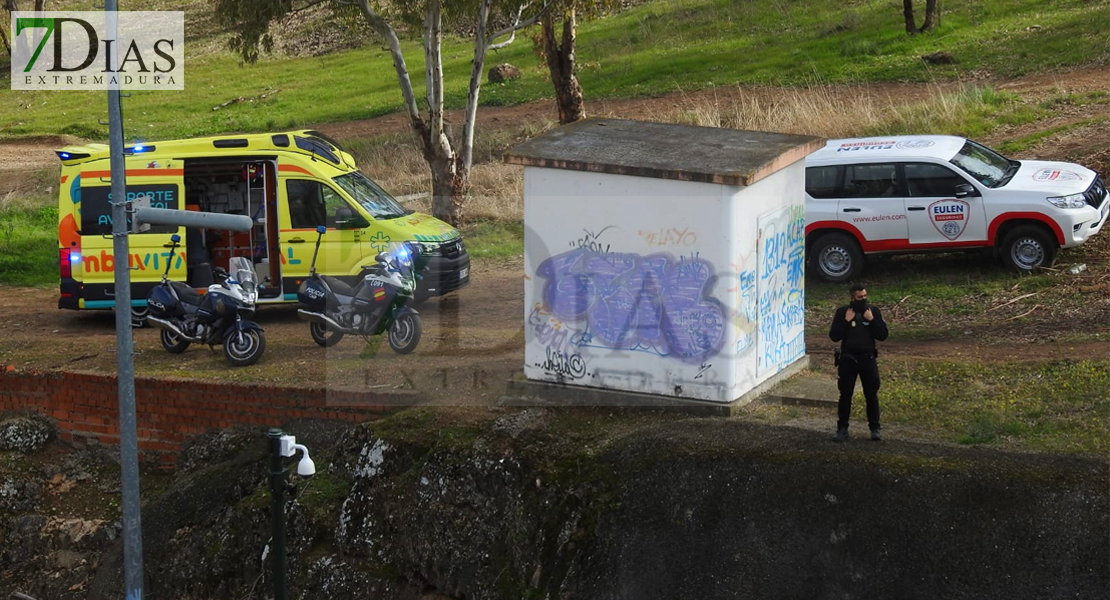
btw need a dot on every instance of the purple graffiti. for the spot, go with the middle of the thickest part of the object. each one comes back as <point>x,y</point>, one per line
<point>635,302</point>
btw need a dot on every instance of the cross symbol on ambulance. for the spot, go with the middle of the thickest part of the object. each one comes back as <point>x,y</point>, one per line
<point>380,242</point>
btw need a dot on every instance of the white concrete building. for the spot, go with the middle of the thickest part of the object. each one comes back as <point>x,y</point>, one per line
<point>663,259</point>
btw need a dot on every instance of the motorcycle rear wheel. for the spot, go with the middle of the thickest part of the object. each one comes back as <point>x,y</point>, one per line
<point>173,343</point>
<point>404,335</point>
<point>245,349</point>
<point>324,335</point>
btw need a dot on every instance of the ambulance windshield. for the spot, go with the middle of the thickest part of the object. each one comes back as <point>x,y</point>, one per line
<point>374,199</point>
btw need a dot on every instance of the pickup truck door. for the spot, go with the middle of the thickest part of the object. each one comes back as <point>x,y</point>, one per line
<point>872,203</point>
<point>936,217</point>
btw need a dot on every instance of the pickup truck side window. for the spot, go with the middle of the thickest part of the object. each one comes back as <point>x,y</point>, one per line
<point>821,182</point>
<point>871,181</point>
<point>925,180</point>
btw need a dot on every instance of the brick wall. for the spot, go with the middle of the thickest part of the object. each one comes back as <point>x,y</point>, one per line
<point>86,406</point>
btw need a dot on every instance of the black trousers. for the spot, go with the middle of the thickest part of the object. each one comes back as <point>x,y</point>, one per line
<point>866,367</point>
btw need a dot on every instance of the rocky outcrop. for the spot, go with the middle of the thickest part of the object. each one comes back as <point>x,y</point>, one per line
<point>26,433</point>
<point>581,504</point>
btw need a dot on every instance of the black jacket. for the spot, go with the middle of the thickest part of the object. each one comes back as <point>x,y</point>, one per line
<point>863,336</point>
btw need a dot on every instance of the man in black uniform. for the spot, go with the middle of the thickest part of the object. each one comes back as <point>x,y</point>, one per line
<point>857,327</point>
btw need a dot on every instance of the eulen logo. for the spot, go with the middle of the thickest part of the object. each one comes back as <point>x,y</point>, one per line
<point>76,50</point>
<point>949,217</point>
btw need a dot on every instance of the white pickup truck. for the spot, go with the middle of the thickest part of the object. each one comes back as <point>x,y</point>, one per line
<point>924,193</point>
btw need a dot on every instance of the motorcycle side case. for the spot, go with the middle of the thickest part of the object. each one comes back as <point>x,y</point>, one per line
<point>162,302</point>
<point>313,295</point>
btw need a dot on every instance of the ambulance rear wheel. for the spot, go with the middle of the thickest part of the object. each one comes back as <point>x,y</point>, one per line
<point>836,257</point>
<point>324,335</point>
<point>1028,248</point>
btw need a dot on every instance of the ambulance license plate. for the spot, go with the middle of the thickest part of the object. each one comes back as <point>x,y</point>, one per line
<point>463,273</point>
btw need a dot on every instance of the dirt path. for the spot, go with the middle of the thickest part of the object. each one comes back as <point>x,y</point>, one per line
<point>472,345</point>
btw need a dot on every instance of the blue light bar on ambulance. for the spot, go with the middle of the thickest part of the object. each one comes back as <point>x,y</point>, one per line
<point>70,155</point>
<point>138,149</point>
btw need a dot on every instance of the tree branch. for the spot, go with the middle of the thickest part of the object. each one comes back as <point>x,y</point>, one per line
<point>518,24</point>
<point>311,4</point>
<point>386,31</point>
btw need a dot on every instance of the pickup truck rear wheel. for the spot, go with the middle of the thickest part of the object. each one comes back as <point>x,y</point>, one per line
<point>1028,248</point>
<point>836,257</point>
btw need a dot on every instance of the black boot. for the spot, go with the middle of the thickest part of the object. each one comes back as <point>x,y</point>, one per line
<point>841,434</point>
<point>876,435</point>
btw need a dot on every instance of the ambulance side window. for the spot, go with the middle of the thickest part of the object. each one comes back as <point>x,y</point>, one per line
<point>926,180</point>
<point>96,208</point>
<point>312,203</point>
<point>306,203</point>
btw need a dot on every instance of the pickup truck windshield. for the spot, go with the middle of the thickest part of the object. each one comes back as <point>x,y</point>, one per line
<point>373,198</point>
<point>985,165</point>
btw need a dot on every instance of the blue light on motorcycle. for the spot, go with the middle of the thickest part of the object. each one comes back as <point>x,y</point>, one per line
<point>175,238</point>
<point>321,229</point>
<point>403,253</point>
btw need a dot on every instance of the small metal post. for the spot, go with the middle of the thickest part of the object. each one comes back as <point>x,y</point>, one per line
<point>278,485</point>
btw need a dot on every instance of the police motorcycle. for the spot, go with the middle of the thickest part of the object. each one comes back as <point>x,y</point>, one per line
<point>222,316</point>
<point>376,304</point>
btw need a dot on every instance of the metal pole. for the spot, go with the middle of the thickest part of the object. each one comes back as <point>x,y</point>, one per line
<point>277,512</point>
<point>128,436</point>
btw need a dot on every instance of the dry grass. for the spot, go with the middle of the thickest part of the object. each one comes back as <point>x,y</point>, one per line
<point>832,111</point>
<point>495,189</point>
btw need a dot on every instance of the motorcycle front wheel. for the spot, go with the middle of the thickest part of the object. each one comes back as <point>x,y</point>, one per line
<point>173,343</point>
<point>404,335</point>
<point>324,335</point>
<point>244,347</point>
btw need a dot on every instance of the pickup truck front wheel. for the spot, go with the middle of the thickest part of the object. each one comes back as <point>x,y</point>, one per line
<point>1027,248</point>
<point>836,257</point>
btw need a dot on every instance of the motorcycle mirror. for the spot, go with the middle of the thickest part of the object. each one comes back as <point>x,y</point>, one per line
<point>321,229</point>
<point>175,238</point>
<point>381,258</point>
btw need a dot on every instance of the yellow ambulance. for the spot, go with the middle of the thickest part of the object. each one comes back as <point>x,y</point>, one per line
<point>287,183</point>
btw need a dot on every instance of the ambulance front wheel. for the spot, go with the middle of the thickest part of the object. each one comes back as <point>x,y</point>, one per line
<point>836,257</point>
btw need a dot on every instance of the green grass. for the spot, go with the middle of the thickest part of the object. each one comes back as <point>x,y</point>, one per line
<point>1024,143</point>
<point>29,246</point>
<point>654,48</point>
<point>1058,406</point>
<point>494,239</point>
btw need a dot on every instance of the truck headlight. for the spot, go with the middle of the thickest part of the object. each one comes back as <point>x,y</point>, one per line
<point>1070,201</point>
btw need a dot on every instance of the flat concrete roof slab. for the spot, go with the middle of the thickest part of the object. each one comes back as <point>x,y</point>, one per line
<point>664,150</point>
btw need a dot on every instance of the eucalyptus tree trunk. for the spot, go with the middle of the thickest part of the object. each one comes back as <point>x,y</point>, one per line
<point>450,169</point>
<point>561,61</point>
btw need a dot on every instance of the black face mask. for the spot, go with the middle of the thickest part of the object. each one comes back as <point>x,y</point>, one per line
<point>859,305</point>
